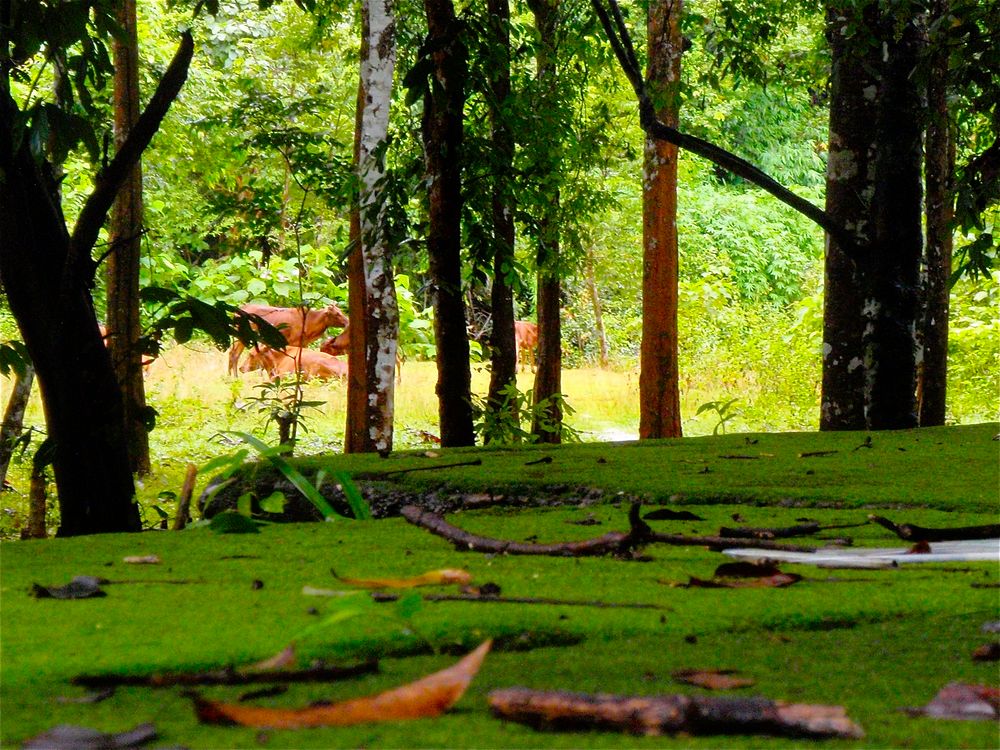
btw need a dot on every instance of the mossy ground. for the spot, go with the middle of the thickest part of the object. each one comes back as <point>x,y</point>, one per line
<point>873,640</point>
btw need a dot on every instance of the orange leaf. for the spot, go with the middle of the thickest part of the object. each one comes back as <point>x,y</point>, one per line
<point>712,679</point>
<point>427,697</point>
<point>430,578</point>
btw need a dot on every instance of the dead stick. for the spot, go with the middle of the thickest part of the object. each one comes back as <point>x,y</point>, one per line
<point>913,533</point>
<point>379,474</point>
<point>184,502</point>
<point>660,714</point>
<point>380,596</point>
<point>226,676</point>
<point>784,532</point>
<point>613,543</point>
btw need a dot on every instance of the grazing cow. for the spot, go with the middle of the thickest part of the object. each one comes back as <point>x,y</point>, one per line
<point>311,364</point>
<point>299,325</point>
<point>525,341</point>
<point>339,344</point>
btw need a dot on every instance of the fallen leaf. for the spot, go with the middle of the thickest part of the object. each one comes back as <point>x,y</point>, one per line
<point>142,560</point>
<point>70,737</point>
<point>712,679</point>
<point>987,652</point>
<point>427,697</point>
<point>920,548</point>
<point>959,700</point>
<point>81,587</point>
<point>281,660</point>
<point>441,577</point>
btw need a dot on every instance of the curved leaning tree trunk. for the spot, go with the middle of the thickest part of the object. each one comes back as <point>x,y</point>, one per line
<point>442,128</point>
<point>850,186</point>
<point>374,311</point>
<point>48,273</point>
<point>125,232</point>
<point>659,391</point>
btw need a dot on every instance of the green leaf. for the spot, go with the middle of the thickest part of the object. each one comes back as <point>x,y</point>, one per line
<point>244,504</point>
<point>274,503</point>
<point>290,473</point>
<point>232,522</point>
<point>359,505</point>
<point>409,604</point>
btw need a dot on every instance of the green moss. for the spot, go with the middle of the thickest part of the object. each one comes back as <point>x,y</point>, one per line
<point>871,640</point>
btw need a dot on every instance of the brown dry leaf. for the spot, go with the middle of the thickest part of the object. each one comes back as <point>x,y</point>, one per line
<point>712,679</point>
<point>427,697</point>
<point>987,652</point>
<point>281,660</point>
<point>959,700</point>
<point>920,548</point>
<point>441,577</point>
<point>142,560</point>
<point>759,569</point>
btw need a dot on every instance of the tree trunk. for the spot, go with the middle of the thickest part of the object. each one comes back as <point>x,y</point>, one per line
<point>372,290</point>
<point>891,307</point>
<point>850,179</point>
<point>659,393</point>
<point>503,351</point>
<point>939,150</point>
<point>548,375</point>
<point>442,128</point>
<point>123,324</point>
<point>595,300</point>
<point>13,419</point>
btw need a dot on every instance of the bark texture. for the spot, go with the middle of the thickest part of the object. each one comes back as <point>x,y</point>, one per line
<point>892,301</point>
<point>547,425</point>
<point>443,134</point>
<point>503,350</point>
<point>659,394</point>
<point>939,170</point>
<point>13,419</point>
<point>371,286</point>
<point>850,189</point>
<point>123,323</point>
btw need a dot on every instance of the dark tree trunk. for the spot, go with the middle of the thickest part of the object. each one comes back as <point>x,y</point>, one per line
<point>83,407</point>
<point>442,133</point>
<point>659,392</point>
<point>548,375</point>
<point>123,323</point>
<point>849,189</point>
<point>503,351</point>
<point>891,309</point>
<point>13,419</point>
<point>939,149</point>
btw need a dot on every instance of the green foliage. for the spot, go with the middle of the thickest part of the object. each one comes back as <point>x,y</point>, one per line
<point>510,423</point>
<point>13,358</point>
<point>723,410</point>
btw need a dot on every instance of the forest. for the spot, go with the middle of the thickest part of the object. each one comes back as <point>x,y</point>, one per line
<point>706,205</point>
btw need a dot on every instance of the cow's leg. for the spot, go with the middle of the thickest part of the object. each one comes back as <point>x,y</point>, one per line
<point>234,357</point>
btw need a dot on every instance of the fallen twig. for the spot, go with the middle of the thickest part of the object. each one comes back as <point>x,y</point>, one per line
<point>618,543</point>
<point>380,596</point>
<point>380,474</point>
<point>184,501</point>
<point>660,714</point>
<point>227,676</point>
<point>914,533</point>
<point>783,532</point>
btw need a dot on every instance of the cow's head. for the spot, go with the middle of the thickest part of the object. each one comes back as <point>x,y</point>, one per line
<point>334,316</point>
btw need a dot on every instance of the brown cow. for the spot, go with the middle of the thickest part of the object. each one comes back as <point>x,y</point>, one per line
<point>299,325</point>
<point>311,364</point>
<point>339,344</point>
<point>525,341</point>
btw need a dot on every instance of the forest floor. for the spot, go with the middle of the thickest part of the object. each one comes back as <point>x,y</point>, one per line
<point>873,641</point>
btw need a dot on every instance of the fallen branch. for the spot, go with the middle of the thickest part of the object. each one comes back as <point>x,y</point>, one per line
<point>227,676</point>
<point>782,532</point>
<point>380,474</point>
<point>618,543</point>
<point>913,533</point>
<point>383,597</point>
<point>661,714</point>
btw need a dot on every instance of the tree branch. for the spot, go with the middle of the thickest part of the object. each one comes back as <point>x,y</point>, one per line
<point>621,43</point>
<point>110,179</point>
